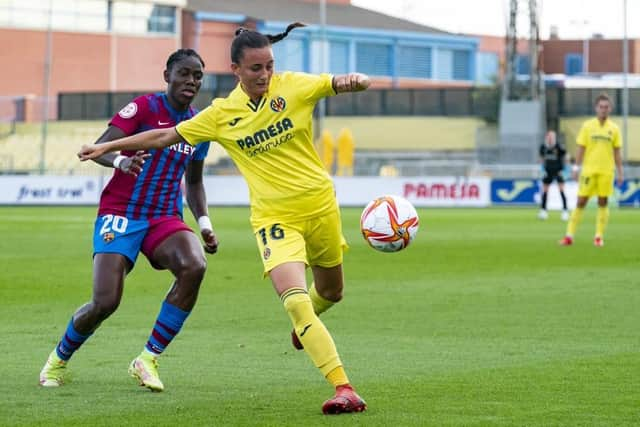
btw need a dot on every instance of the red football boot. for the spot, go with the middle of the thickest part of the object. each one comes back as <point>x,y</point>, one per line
<point>345,401</point>
<point>566,241</point>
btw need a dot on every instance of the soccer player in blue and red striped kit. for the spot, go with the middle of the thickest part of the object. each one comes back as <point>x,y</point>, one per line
<point>141,211</point>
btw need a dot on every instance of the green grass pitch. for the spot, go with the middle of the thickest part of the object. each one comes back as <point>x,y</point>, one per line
<point>483,321</point>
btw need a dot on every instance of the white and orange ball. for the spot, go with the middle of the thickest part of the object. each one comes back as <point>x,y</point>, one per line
<point>389,223</point>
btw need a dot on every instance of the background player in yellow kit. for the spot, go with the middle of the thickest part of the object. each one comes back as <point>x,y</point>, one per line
<point>265,124</point>
<point>598,150</point>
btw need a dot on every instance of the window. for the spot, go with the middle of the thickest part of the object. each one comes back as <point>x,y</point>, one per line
<point>487,68</point>
<point>523,65</point>
<point>338,57</point>
<point>414,61</point>
<point>289,55</point>
<point>373,59</point>
<point>162,19</point>
<point>66,15</point>
<point>139,18</point>
<point>461,70</point>
<point>573,64</point>
<point>444,70</point>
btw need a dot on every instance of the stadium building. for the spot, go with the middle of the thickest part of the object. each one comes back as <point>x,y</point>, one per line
<point>116,45</point>
<point>84,59</point>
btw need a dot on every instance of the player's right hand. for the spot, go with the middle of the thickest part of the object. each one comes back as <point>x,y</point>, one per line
<point>133,165</point>
<point>88,152</point>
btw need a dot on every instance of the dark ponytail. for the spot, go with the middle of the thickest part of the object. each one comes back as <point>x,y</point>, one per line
<point>278,37</point>
<point>252,39</point>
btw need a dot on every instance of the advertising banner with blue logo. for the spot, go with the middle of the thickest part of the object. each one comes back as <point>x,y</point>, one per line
<point>528,192</point>
<point>514,191</point>
<point>629,193</point>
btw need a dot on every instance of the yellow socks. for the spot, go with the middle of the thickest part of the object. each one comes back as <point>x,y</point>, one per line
<point>338,377</point>
<point>574,220</point>
<point>602,218</point>
<point>320,305</point>
<point>312,333</point>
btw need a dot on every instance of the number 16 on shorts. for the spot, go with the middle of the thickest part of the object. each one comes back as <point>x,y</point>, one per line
<point>279,243</point>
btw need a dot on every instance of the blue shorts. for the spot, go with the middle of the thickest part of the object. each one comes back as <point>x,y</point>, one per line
<point>128,237</point>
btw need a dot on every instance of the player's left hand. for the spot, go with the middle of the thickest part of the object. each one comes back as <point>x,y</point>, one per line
<point>210,241</point>
<point>619,179</point>
<point>133,165</point>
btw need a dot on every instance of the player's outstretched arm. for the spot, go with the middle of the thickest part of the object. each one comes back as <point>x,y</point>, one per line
<point>110,134</point>
<point>131,165</point>
<point>148,140</point>
<point>352,82</point>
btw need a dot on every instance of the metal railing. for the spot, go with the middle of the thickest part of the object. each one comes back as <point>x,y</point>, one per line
<point>474,101</point>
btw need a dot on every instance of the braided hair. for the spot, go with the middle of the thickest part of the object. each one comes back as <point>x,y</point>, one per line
<point>180,54</point>
<point>253,39</point>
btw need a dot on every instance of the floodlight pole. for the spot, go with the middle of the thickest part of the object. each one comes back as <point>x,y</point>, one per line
<point>625,85</point>
<point>45,89</point>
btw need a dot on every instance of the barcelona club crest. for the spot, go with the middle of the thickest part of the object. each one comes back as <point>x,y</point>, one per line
<point>278,104</point>
<point>108,237</point>
<point>266,254</point>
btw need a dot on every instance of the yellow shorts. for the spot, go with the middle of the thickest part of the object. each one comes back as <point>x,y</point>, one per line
<point>598,184</point>
<point>316,242</point>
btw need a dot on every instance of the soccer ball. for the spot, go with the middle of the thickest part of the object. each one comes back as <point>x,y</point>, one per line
<point>389,223</point>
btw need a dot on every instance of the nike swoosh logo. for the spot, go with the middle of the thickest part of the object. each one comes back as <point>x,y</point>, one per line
<point>304,331</point>
<point>234,121</point>
<point>518,187</point>
<point>163,123</point>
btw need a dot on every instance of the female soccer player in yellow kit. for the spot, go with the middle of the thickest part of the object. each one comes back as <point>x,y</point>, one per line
<point>598,151</point>
<point>265,125</point>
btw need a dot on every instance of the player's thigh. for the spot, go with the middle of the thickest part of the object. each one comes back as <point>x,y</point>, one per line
<point>325,241</point>
<point>109,271</point>
<point>171,244</point>
<point>604,185</point>
<point>288,275</point>
<point>586,185</point>
<point>119,235</point>
<point>280,243</point>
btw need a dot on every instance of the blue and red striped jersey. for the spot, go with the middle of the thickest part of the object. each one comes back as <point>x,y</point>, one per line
<point>157,189</point>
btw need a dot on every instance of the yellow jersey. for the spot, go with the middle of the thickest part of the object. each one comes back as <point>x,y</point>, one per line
<point>599,140</point>
<point>271,143</point>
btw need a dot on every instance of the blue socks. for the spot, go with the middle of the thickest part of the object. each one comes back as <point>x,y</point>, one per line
<point>70,342</point>
<point>168,324</point>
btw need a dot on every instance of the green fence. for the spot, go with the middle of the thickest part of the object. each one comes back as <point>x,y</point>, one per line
<point>480,102</point>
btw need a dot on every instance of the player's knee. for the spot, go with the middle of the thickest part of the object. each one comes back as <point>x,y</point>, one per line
<point>337,297</point>
<point>334,295</point>
<point>193,269</point>
<point>104,307</point>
